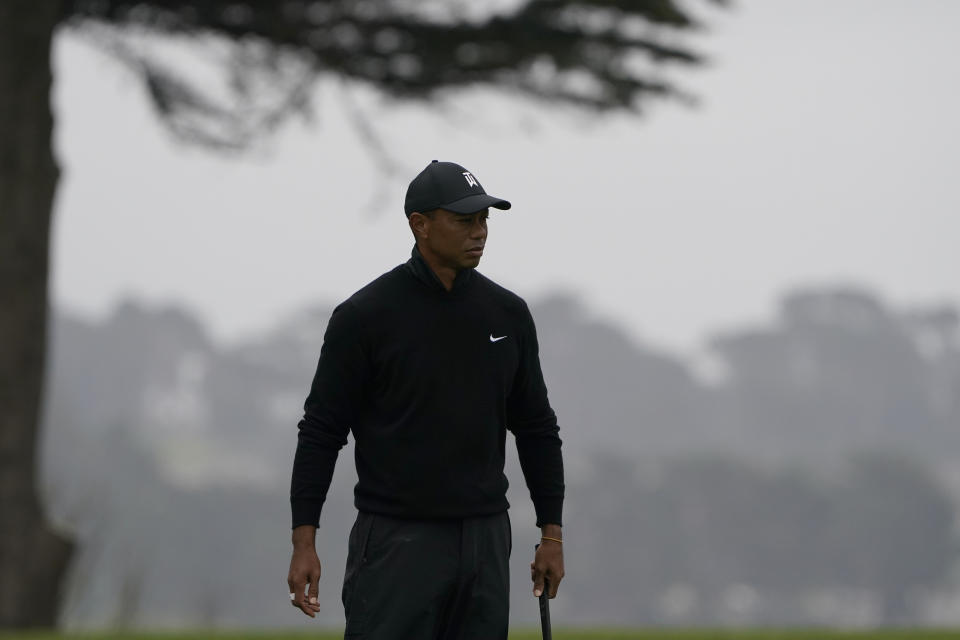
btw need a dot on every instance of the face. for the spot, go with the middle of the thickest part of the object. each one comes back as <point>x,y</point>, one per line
<point>454,240</point>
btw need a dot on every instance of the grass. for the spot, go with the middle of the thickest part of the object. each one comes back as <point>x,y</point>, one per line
<point>531,634</point>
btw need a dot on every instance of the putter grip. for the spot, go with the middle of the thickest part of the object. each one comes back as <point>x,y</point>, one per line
<point>545,613</point>
<point>545,608</point>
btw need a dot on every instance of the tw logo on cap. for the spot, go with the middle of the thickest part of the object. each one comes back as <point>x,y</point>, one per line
<point>470,179</point>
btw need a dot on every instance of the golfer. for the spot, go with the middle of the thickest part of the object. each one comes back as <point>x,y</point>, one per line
<point>429,365</point>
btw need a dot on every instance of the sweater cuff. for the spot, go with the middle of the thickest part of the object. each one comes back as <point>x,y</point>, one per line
<point>549,510</point>
<point>305,512</point>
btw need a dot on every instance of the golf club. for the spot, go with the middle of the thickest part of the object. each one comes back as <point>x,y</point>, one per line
<point>545,607</point>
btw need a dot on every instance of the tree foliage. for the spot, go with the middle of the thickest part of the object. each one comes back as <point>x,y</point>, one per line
<point>601,55</point>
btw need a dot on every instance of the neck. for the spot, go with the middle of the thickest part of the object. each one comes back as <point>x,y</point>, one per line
<point>444,273</point>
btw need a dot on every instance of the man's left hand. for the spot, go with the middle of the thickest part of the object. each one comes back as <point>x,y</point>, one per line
<point>548,562</point>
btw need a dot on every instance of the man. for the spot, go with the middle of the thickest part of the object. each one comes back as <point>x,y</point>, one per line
<point>428,366</point>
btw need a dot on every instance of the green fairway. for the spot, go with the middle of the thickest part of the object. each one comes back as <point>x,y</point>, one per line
<point>532,634</point>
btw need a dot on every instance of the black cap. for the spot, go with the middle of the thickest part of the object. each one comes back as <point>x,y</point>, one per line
<point>446,185</point>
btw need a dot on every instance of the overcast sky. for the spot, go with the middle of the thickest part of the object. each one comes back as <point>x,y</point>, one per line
<point>826,150</point>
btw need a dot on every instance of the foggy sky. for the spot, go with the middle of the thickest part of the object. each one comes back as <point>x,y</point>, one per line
<point>826,149</point>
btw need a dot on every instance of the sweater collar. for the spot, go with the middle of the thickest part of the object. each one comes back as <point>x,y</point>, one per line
<point>422,272</point>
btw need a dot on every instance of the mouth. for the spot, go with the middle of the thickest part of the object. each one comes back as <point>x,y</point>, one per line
<point>475,251</point>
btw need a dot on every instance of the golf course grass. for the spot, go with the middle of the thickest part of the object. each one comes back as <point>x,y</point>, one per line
<point>531,634</point>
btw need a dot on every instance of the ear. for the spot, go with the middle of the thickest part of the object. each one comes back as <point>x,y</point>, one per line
<point>420,225</point>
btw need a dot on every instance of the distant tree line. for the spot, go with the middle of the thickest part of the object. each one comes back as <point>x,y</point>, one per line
<point>837,372</point>
<point>712,525</point>
<point>800,486</point>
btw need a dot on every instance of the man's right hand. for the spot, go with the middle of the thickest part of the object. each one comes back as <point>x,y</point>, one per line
<point>304,571</point>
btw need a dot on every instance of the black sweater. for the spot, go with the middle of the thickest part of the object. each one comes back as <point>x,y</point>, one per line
<point>429,381</point>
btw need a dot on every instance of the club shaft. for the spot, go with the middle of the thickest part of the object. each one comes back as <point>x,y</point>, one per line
<point>545,612</point>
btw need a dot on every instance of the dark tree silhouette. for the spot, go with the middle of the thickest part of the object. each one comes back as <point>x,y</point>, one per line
<point>588,53</point>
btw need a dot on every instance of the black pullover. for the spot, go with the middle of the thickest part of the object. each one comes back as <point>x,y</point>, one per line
<point>429,380</point>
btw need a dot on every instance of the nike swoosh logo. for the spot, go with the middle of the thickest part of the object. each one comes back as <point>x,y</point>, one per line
<point>492,339</point>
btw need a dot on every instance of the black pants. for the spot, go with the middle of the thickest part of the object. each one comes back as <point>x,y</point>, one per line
<point>428,579</point>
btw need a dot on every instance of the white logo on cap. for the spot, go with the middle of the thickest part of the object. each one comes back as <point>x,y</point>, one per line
<point>470,179</point>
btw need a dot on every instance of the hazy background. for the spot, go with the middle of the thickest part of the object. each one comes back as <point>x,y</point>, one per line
<point>825,150</point>
<point>748,319</point>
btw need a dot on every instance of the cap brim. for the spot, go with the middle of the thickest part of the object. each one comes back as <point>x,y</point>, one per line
<point>472,204</point>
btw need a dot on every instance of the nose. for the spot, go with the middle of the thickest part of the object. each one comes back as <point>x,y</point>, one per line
<point>478,230</point>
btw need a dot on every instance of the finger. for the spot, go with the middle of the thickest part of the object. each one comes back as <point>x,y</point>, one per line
<point>314,591</point>
<point>538,576</point>
<point>294,604</point>
<point>297,586</point>
<point>306,608</point>
<point>299,601</point>
<point>554,583</point>
<point>303,606</point>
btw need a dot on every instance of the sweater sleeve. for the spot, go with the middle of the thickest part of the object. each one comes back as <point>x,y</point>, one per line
<point>534,425</point>
<point>330,411</point>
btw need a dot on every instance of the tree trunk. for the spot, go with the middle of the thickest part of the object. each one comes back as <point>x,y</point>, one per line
<point>33,557</point>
